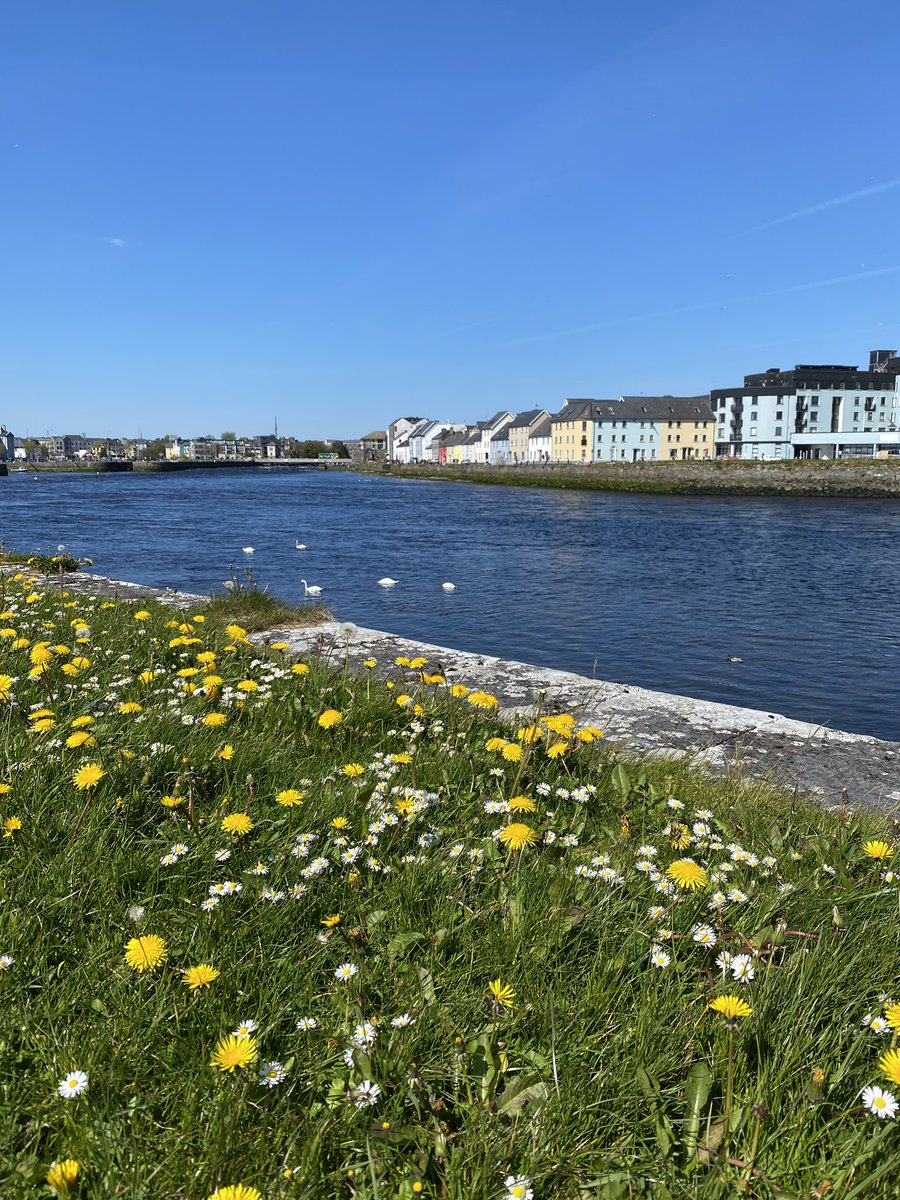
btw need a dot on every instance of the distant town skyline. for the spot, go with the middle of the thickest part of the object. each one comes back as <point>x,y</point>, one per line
<point>220,215</point>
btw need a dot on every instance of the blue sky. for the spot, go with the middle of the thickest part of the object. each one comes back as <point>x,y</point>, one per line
<point>214,214</point>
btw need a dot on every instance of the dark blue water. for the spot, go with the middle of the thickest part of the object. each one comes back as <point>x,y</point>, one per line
<point>650,590</point>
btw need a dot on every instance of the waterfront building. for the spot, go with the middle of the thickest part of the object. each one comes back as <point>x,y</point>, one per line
<point>499,452</point>
<point>812,411</point>
<point>574,430</point>
<point>519,432</point>
<point>450,450</point>
<point>540,441</point>
<point>7,444</point>
<point>398,430</point>
<point>470,448</point>
<point>373,446</point>
<point>488,428</point>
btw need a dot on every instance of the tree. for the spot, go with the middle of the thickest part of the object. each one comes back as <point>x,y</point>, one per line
<point>154,449</point>
<point>229,436</point>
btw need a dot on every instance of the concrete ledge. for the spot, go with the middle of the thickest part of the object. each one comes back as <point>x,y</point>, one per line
<point>113,589</point>
<point>836,766</point>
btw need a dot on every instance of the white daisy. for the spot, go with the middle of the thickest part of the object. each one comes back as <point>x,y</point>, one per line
<point>73,1084</point>
<point>879,1103</point>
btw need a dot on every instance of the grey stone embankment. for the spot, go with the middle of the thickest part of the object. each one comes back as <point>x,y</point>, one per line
<point>831,764</point>
<point>820,478</point>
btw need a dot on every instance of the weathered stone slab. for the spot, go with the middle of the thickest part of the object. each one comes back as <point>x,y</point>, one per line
<point>722,738</point>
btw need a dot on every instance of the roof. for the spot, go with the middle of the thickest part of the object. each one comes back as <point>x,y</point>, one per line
<point>377,435</point>
<point>454,439</point>
<point>472,437</point>
<point>526,419</point>
<point>543,429</point>
<point>638,408</point>
<point>498,417</point>
<point>502,435</point>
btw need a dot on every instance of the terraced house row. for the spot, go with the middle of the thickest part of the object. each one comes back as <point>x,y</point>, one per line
<point>631,429</point>
<point>812,411</point>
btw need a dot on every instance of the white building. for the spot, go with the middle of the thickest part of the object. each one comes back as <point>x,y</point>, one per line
<point>812,411</point>
<point>399,431</point>
<point>540,442</point>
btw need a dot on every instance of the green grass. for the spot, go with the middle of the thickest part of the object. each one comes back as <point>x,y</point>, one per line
<point>258,610</point>
<point>606,1077</point>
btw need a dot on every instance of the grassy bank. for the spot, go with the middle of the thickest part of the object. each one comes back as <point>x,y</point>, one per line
<point>855,478</point>
<point>453,959</point>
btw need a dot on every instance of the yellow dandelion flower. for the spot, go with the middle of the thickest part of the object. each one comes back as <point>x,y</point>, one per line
<point>339,823</point>
<point>4,788</point>
<point>143,615</point>
<point>43,724</point>
<point>80,738</point>
<point>145,953</point>
<point>214,718</point>
<point>495,743</point>
<point>502,993</point>
<point>353,770</point>
<point>402,661</point>
<point>590,733</point>
<point>687,874</point>
<point>6,682</point>
<point>512,752</point>
<point>418,663</point>
<point>330,922</point>
<point>529,734</point>
<point>237,823</point>
<point>236,632</point>
<point>432,679</point>
<point>236,1191</point>
<point>402,759</point>
<point>299,669</point>
<point>369,663</point>
<point>403,700</point>
<point>88,776</point>
<point>62,1174</point>
<point>557,750</point>
<point>522,804</point>
<point>679,836</point>
<point>232,1052</point>
<point>878,850</point>
<point>171,801</point>
<point>11,825</point>
<point>248,685</point>
<point>330,718</point>
<point>226,753</point>
<point>890,1065</point>
<point>147,676</point>
<point>289,798</point>
<point>129,707</point>
<point>200,976</point>
<point>483,700</point>
<point>459,690</point>
<point>892,1016</point>
<point>731,1007</point>
<point>81,722</point>
<point>517,835</point>
<point>561,724</point>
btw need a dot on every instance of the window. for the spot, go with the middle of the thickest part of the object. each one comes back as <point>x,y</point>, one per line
<point>778,431</point>
<point>642,436</point>
<point>753,431</point>
<point>697,437</point>
<point>778,415</point>
<point>669,438</point>
<point>651,439</point>
<point>613,437</point>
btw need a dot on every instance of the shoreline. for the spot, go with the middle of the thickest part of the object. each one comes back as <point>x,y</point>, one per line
<point>834,766</point>
<point>845,479</point>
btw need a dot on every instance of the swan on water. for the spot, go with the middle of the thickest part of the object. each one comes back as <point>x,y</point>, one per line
<point>387,582</point>
<point>311,589</point>
<point>299,546</point>
<point>449,587</point>
<point>247,549</point>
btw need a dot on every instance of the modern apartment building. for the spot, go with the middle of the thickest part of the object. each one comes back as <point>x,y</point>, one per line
<point>812,411</point>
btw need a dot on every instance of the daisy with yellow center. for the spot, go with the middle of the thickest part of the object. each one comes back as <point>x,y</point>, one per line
<point>731,1007</point>
<point>233,1052</point>
<point>88,776</point>
<point>517,835</point>
<point>237,824</point>
<point>687,874</point>
<point>200,976</point>
<point>289,798</point>
<point>145,953</point>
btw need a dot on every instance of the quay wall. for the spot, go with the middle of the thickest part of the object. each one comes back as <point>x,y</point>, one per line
<point>847,478</point>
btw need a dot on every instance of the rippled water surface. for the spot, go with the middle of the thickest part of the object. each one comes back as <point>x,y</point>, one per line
<point>656,591</point>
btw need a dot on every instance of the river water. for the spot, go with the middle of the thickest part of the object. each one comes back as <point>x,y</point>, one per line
<point>651,590</point>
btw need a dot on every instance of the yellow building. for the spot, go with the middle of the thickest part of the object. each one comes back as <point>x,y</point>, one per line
<point>572,432</point>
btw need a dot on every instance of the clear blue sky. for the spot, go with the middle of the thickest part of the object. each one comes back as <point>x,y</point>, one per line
<point>218,213</point>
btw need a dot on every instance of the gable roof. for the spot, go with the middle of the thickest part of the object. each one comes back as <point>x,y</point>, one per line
<point>525,419</point>
<point>377,435</point>
<point>543,429</point>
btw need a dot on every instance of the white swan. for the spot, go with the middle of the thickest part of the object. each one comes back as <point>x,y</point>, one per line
<point>449,587</point>
<point>247,549</point>
<point>311,589</point>
<point>387,582</point>
<point>299,546</point>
